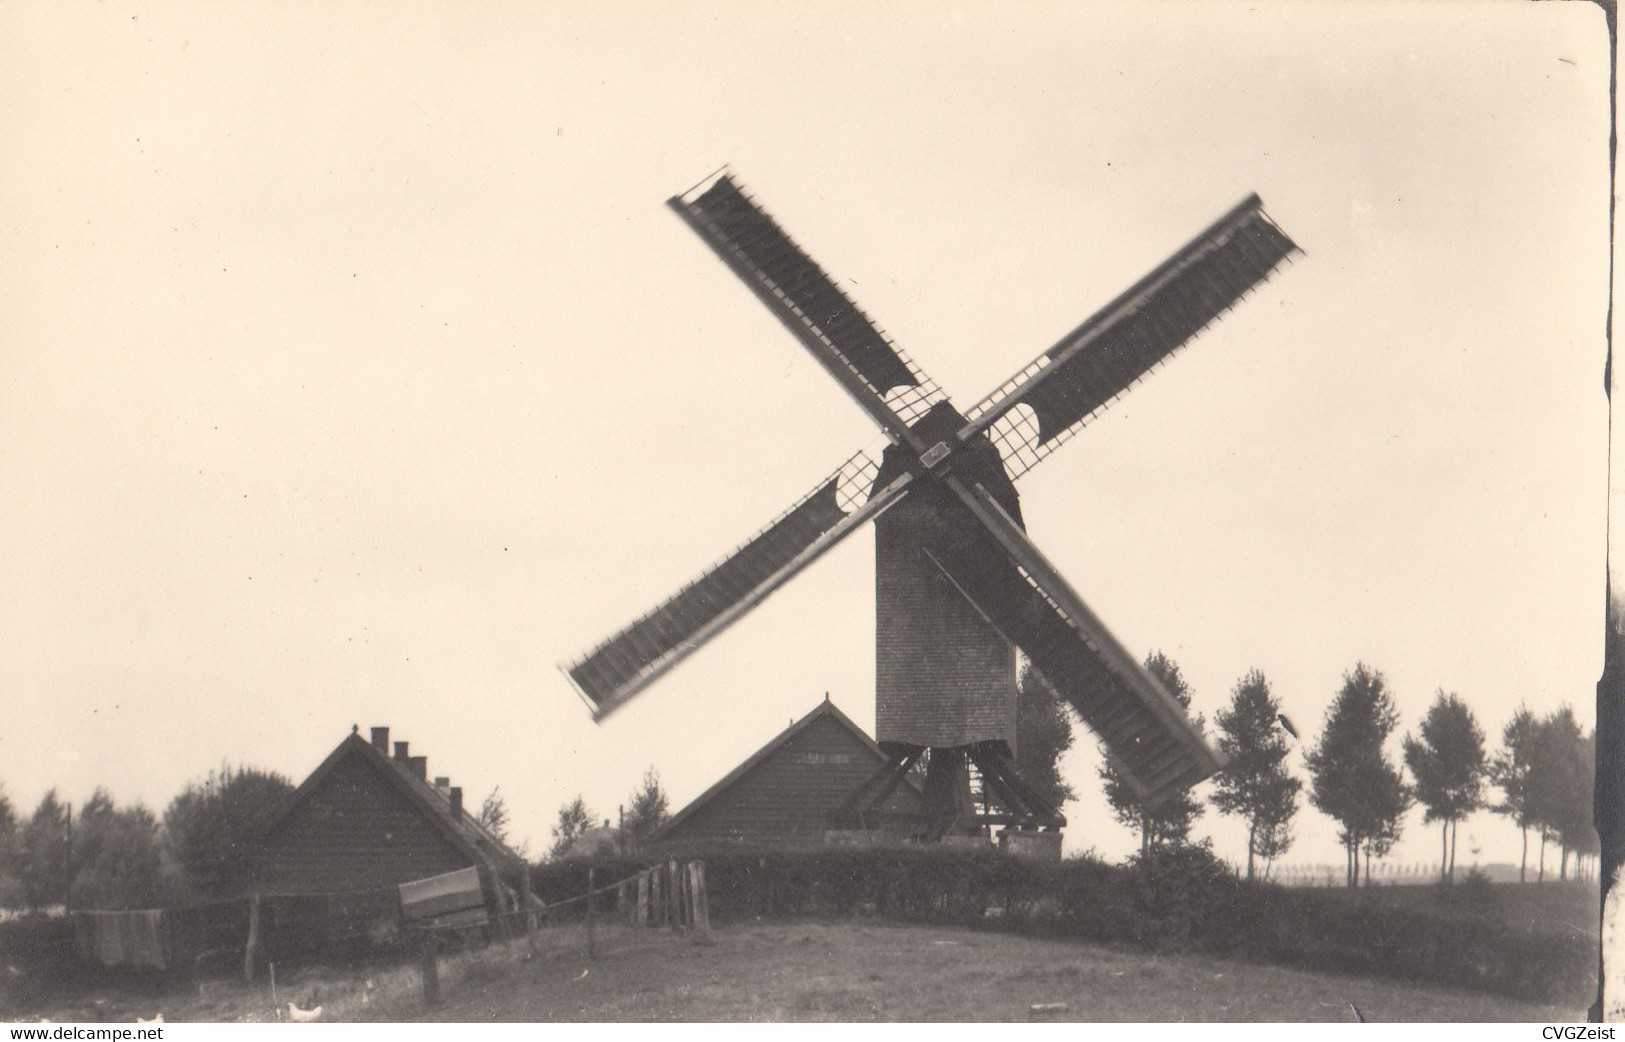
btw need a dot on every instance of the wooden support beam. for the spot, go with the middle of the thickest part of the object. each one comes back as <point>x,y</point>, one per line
<point>702,908</point>
<point>592,924</point>
<point>893,780</point>
<point>529,917</point>
<point>674,907</point>
<point>429,967</point>
<point>251,948</point>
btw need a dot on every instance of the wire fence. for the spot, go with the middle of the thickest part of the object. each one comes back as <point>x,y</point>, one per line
<point>613,917</point>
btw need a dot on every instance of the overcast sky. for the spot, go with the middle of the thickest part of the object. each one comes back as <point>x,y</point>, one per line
<point>352,370</point>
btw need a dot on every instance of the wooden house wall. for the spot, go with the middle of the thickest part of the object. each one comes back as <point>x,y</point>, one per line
<point>356,831</point>
<point>787,797</point>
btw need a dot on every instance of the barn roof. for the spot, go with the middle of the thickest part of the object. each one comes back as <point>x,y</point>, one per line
<point>461,830</point>
<point>826,708</point>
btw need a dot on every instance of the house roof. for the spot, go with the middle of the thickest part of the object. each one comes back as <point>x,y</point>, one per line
<point>465,834</point>
<point>826,708</point>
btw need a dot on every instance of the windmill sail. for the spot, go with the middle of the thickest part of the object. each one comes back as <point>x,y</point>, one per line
<point>808,302</point>
<point>985,555</point>
<point>624,664</point>
<point>1151,741</point>
<point>1100,359</point>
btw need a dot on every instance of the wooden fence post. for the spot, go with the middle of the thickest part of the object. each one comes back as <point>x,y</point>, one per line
<point>251,949</point>
<point>430,967</point>
<point>674,898</point>
<point>592,933</point>
<point>508,928</point>
<point>702,910</point>
<point>529,917</point>
<point>643,898</point>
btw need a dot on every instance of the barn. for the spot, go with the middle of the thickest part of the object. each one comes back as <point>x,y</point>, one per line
<point>324,871</point>
<point>783,794</point>
<point>367,819</point>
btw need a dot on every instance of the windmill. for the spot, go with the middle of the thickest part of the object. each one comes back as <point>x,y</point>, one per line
<point>958,584</point>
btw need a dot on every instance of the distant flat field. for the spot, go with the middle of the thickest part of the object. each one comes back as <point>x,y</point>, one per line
<point>855,971</point>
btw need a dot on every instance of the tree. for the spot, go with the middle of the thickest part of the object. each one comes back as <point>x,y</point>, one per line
<point>1169,823</point>
<point>574,819</point>
<point>1279,804</point>
<point>43,854</point>
<point>1043,735</point>
<point>1573,821</point>
<point>1256,786</point>
<point>1353,781</point>
<point>493,816</point>
<point>1447,762</point>
<point>211,826</point>
<point>1579,833</point>
<point>116,863</point>
<point>1559,794</point>
<point>1509,771</point>
<point>646,811</point>
<point>10,887</point>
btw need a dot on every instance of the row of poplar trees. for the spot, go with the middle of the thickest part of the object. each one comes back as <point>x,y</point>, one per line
<point>1540,778</point>
<point>1543,771</point>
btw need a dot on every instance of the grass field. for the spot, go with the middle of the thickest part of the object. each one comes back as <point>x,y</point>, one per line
<point>826,971</point>
<point>859,969</point>
<point>818,971</point>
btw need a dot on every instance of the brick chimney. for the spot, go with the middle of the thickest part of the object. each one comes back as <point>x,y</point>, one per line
<point>400,750</point>
<point>442,783</point>
<point>420,766</point>
<point>457,803</point>
<point>380,739</point>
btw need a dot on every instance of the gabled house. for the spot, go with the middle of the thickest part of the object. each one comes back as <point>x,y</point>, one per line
<point>783,794</point>
<point>368,819</point>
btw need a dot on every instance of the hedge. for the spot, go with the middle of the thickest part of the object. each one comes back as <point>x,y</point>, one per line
<point>1183,900</point>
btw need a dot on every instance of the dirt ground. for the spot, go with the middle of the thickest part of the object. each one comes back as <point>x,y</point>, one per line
<point>814,971</point>
<point>818,971</point>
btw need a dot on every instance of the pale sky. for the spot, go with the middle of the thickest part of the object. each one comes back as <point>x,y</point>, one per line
<point>352,370</point>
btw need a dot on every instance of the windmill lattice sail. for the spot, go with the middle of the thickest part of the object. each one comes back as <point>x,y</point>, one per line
<point>1020,593</point>
<point>798,292</point>
<point>628,661</point>
<point>1142,727</point>
<point>1083,373</point>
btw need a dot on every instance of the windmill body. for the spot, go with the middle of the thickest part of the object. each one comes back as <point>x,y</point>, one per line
<point>944,676</point>
<point>958,584</point>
